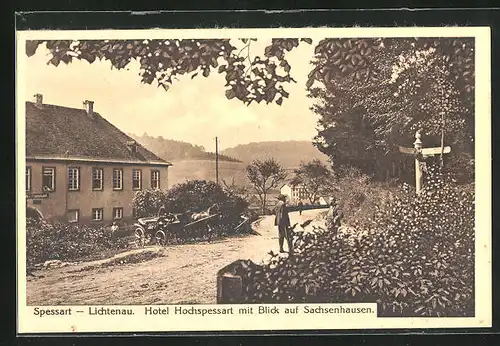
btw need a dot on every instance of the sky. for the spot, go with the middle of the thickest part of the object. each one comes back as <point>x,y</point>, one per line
<point>192,110</point>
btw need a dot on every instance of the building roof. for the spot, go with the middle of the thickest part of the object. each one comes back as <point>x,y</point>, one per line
<point>61,132</point>
<point>290,184</point>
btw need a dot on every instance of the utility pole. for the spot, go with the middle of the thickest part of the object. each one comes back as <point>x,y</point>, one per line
<point>216,161</point>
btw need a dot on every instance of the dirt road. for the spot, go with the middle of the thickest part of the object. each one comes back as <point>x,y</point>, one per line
<point>186,274</point>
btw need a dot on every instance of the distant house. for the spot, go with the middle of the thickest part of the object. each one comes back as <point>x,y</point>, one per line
<point>294,192</point>
<point>324,200</point>
<point>80,168</point>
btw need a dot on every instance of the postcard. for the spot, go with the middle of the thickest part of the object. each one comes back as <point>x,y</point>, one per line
<point>281,179</point>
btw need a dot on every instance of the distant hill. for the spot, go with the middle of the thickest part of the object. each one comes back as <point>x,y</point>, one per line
<point>172,150</point>
<point>289,153</point>
<point>205,170</point>
<point>193,162</point>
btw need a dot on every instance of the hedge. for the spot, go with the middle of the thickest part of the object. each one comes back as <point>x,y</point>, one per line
<point>70,242</point>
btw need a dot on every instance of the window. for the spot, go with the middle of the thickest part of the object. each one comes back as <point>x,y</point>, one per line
<point>73,215</point>
<point>97,174</point>
<point>136,179</point>
<point>48,179</point>
<point>155,179</point>
<point>97,214</point>
<point>73,178</point>
<point>28,178</point>
<point>117,213</point>
<point>117,179</point>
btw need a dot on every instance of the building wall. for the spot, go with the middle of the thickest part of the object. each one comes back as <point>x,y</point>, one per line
<point>295,193</point>
<point>55,204</point>
<point>61,199</point>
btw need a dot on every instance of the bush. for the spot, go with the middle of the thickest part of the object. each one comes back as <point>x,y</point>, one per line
<point>416,258</point>
<point>198,195</point>
<point>148,202</point>
<point>69,242</point>
<point>358,196</point>
<point>193,195</point>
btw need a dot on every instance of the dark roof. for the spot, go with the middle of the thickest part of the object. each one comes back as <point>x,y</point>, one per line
<point>56,131</point>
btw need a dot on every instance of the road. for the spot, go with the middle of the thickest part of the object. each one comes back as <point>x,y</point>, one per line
<point>186,274</point>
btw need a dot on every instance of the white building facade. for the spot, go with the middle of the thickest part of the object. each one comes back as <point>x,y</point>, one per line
<point>295,193</point>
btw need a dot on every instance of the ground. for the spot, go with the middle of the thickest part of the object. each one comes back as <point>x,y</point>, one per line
<point>186,274</point>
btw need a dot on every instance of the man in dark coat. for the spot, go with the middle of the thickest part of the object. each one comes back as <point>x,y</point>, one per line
<point>282,220</point>
<point>300,205</point>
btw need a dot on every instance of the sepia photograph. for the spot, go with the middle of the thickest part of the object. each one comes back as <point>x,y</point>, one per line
<point>259,169</point>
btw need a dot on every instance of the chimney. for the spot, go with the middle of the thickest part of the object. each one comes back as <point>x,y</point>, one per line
<point>89,107</point>
<point>132,147</point>
<point>38,99</point>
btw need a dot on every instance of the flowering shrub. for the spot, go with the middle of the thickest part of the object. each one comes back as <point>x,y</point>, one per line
<point>69,242</point>
<point>416,258</point>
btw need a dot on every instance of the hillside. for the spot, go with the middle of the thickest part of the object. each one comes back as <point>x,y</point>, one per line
<point>289,153</point>
<point>172,150</point>
<point>193,162</point>
<point>205,170</point>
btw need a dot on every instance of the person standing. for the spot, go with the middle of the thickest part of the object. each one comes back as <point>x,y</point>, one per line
<point>282,220</point>
<point>334,215</point>
<point>300,205</point>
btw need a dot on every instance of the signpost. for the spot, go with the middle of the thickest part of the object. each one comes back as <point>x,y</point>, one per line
<point>421,152</point>
<point>37,196</point>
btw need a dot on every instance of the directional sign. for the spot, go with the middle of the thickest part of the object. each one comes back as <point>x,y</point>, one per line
<point>407,150</point>
<point>435,151</point>
<point>426,151</point>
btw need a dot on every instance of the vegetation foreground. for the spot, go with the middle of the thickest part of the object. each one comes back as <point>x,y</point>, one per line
<point>414,258</point>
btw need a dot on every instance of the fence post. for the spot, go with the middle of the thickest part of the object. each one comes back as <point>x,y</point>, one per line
<point>229,284</point>
<point>230,281</point>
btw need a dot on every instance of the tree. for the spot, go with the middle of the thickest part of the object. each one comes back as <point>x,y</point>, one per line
<point>362,123</point>
<point>265,176</point>
<point>357,71</point>
<point>232,189</point>
<point>257,80</point>
<point>314,176</point>
<point>263,78</point>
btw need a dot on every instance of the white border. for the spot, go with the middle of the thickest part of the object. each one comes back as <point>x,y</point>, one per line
<point>28,323</point>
